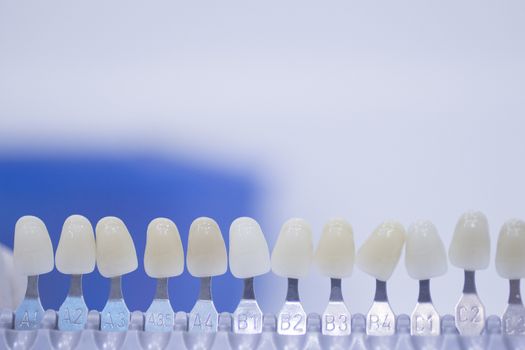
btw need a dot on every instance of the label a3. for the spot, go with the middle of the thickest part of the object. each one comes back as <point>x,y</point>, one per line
<point>117,320</point>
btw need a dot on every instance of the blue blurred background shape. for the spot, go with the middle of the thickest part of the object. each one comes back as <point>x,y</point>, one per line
<point>137,189</point>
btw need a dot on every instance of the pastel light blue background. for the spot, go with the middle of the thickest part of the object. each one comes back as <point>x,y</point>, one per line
<point>366,110</point>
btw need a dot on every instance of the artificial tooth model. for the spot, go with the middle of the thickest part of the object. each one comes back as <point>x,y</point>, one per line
<point>425,258</point>
<point>76,255</point>
<point>33,256</point>
<point>291,258</point>
<point>335,259</point>
<point>378,257</point>
<point>206,257</point>
<point>249,257</point>
<point>510,264</point>
<point>470,251</point>
<point>163,258</point>
<point>116,256</point>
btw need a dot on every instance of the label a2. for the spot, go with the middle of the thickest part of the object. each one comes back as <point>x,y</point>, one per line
<point>74,317</point>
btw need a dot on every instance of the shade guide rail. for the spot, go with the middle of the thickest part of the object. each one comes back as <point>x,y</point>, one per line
<point>110,248</point>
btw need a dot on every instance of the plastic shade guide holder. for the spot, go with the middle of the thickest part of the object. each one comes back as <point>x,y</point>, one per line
<point>47,336</point>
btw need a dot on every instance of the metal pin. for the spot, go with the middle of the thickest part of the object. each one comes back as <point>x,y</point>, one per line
<point>30,312</point>
<point>160,316</point>
<point>424,320</point>
<point>72,315</point>
<point>514,317</point>
<point>336,317</point>
<point>292,318</point>
<point>247,318</point>
<point>381,320</point>
<point>115,317</point>
<point>470,312</point>
<point>204,317</point>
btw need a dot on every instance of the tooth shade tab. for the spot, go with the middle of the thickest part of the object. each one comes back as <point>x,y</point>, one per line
<point>164,256</point>
<point>335,251</point>
<point>248,253</point>
<point>116,254</point>
<point>380,253</point>
<point>470,246</point>
<point>425,255</point>
<point>76,252</point>
<point>33,251</point>
<point>510,254</point>
<point>293,251</point>
<point>206,255</point>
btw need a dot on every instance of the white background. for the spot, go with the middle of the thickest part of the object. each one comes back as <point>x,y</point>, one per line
<point>366,110</point>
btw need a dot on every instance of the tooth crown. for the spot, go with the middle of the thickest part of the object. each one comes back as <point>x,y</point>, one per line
<point>116,253</point>
<point>470,246</point>
<point>206,255</point>
<point>76,252</point>
<point>425,255</point>
<point>293,252</point>
<point>510,254</point>
<point>248,253</point>
<point>380,253</point>
<point>164,256</point>
<point>33,251</point>
<point>335,251</point>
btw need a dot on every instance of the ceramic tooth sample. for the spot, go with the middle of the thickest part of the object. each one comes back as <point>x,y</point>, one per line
<point>116,256</point>
<point>470,251</point>
<point>510,264</point>
<point>163,258</point>
<point>76,255</point>
<point>335,259</point>
<point>33,256</point>
<point>425,258</point>
<point>291,258</point>
<point>249,257</point>
<point>206,257</point>
<point>378,257</point>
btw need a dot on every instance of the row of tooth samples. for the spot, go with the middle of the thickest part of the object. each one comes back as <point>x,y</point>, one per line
<point>114,254</point>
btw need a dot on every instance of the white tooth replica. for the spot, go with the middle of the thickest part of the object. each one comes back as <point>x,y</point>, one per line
<point>510,264</point>
<point>470,251</point>
<point>378,257</point>
<point>206,257</point>
<point>76,255</point>
<point>335,259</point>
<point>33,256</point>
<point>163,258</point>
<point>116,256</point>
<point>425,258</point>
<point>249,257</point>
<point>291,258</point>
